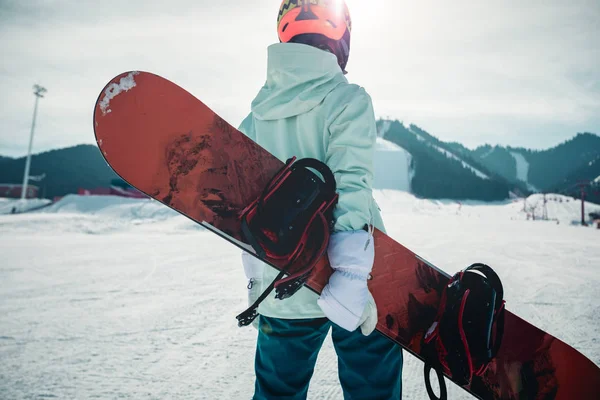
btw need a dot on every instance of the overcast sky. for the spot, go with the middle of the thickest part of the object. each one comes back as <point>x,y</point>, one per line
<point>510,72</point>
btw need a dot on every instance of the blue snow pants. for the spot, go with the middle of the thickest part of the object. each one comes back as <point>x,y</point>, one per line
<point>370,367</point>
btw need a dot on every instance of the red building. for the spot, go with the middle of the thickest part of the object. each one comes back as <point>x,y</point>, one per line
<point>13,191</point>
<point>113,191</point>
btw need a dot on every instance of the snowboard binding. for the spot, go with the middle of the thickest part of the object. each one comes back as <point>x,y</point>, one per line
<point>290,223</point>
<point>468,329</point>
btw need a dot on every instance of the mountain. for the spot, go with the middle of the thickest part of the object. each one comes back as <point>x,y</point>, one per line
<point>441,170</point>
<point>417,162</point>
<point>66,170</point>
<point>572,184</point>
<point>540,170</point>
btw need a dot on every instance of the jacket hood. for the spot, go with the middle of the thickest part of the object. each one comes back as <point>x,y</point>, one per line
<point>299,77</point>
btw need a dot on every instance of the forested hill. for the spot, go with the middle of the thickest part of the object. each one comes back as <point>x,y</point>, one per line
<point>545,169</point>
<point>66,170</point>
<point>442,172</point>
<point>450,170</point>
<point>438,170</point>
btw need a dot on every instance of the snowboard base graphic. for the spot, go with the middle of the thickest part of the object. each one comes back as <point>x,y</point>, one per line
<point>166,143</point>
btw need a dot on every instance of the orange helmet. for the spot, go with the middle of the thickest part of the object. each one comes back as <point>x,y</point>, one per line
<point>325,24</point>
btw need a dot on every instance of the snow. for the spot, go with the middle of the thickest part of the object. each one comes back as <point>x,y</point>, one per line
<point>408,127</point>
<point>106,297</point>
<point>522,166</point>
<point>392,166</point>
<point>385,127</point>
<point>386,145</point>
<point>597,179</point>
<point>111,206</point>
<point>114,89</point>
<point>522,169</point>
<point>7,205</point>
<point>448,154</point>
<point>488,153</point>
<point>464,164</point>
<point>561,208</point>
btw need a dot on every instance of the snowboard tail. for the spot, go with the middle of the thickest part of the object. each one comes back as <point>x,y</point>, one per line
<point>169,145</point>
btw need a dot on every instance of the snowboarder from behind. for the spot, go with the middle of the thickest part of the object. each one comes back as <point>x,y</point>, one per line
<point>307,108</point>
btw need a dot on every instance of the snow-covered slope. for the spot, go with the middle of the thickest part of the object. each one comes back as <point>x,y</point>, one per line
<point>392,166</point>
<point>383,128</point>
<point>522,169</point>
<point>522,166</point>
<point>487,153</point>
<point>408,127</point>
<point>447,153</point>
<point>7,206</point>
<point>464,163</point>
<point>561,209</point>
<point>113,298</point>
<point>112,207</point>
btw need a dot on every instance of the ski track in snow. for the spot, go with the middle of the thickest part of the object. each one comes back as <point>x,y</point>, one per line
<point>522,169</point>
<point>488,153</point>
<point>119,298</point>
<point>464,163</point>
<point>522,166</point>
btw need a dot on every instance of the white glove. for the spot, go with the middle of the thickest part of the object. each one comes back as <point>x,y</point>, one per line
<point>253,268</point>
<point>346,299</point>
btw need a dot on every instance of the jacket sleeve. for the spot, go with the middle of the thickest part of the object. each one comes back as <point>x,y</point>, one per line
<point>247,127</point>
<point>350,154</point>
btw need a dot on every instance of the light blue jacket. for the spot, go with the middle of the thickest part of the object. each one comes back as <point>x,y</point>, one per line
<point>307,108</point>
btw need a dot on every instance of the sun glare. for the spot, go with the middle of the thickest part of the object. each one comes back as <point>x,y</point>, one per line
<point>339,5</point>
<point>366,11</point>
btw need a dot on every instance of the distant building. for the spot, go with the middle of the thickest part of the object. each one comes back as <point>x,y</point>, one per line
<point>13,191</point>
<point>118,187</point>
<point>113,191</point>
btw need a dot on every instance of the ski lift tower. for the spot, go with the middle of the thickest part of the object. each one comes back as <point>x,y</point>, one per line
<point>38,91</point>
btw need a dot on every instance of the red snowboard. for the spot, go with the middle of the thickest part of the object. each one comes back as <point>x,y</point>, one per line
<point>169,145</point>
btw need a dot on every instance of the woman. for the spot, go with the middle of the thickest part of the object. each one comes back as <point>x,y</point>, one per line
<point>307,108</point>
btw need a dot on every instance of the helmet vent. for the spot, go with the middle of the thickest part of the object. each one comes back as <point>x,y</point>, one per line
<point>332,23</point>
<point>306,14</point>
<point>285,27</point>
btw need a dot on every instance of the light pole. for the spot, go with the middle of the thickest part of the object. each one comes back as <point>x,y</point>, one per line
<point>38,92</point>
